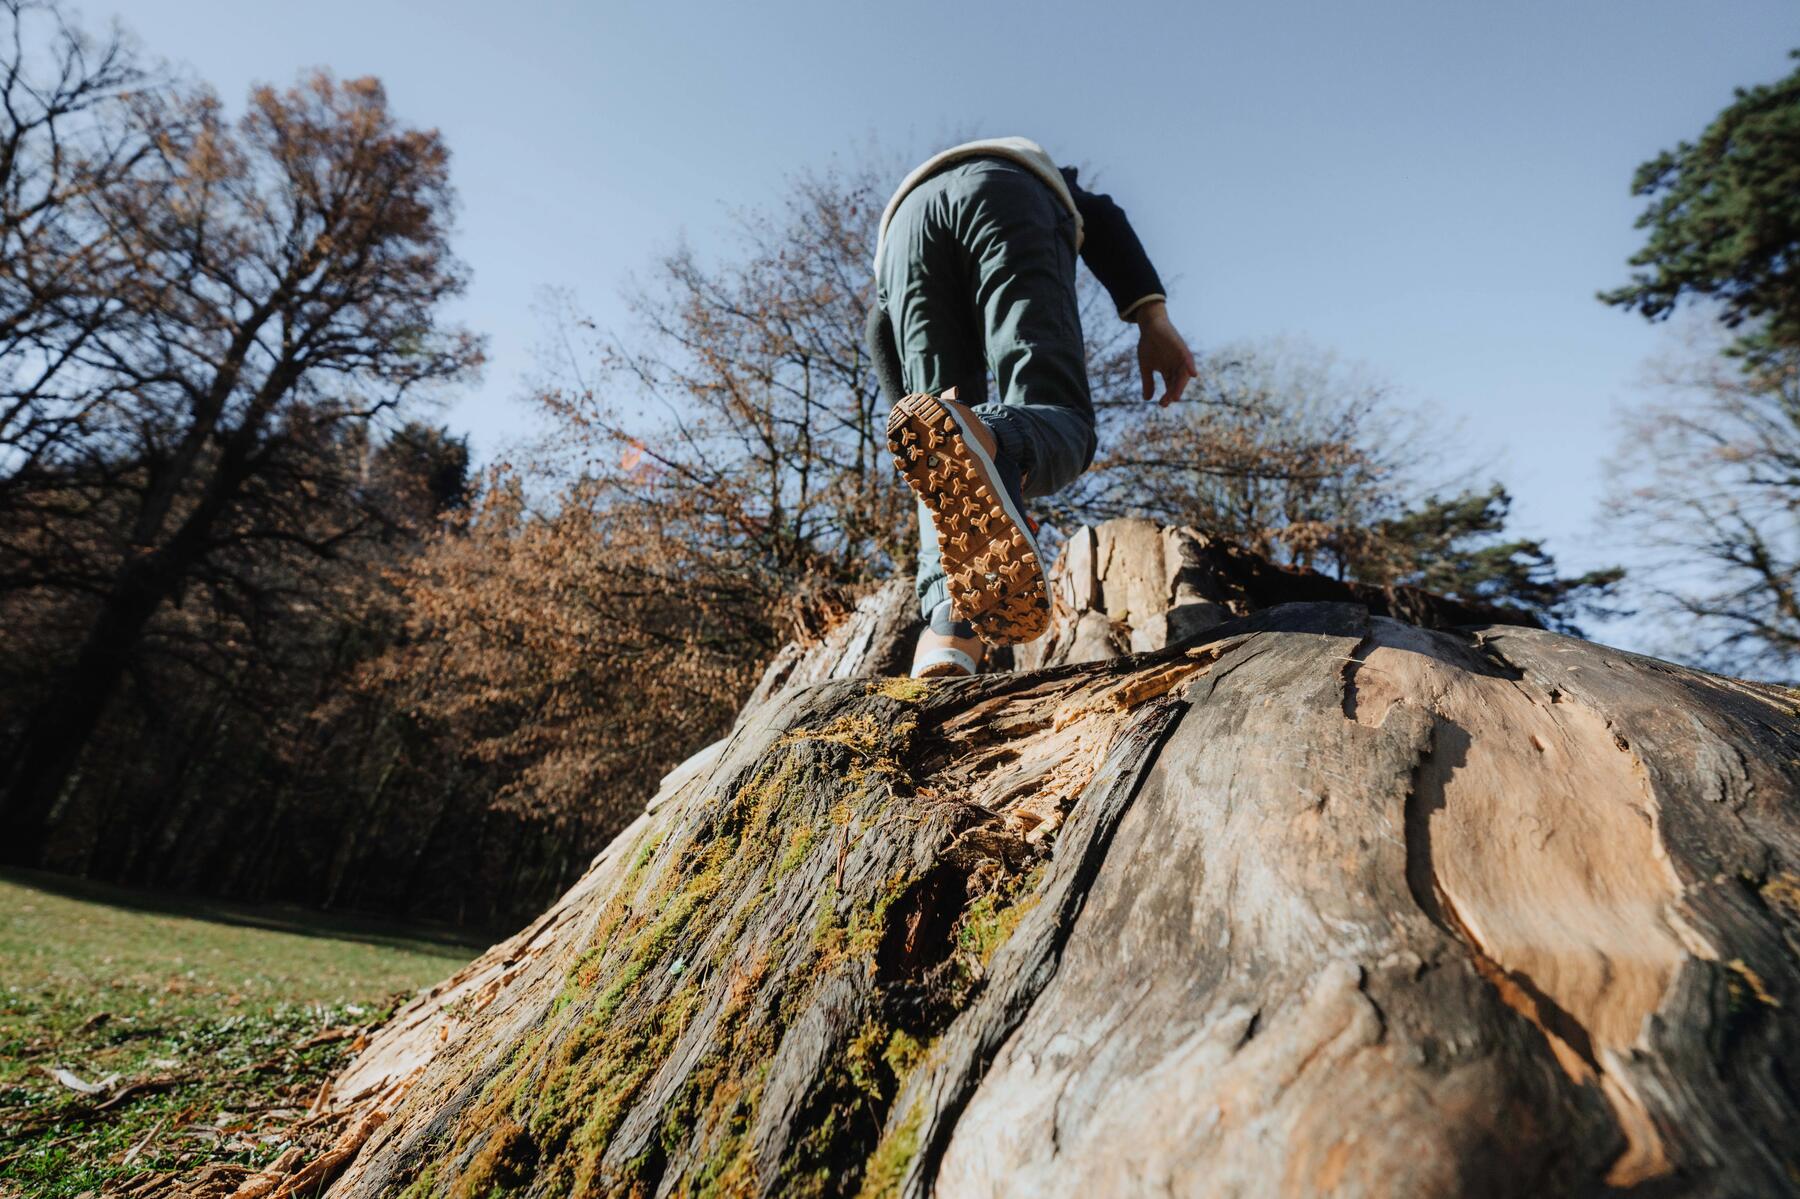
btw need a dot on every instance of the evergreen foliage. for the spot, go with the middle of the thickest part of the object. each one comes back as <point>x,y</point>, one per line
<point>1456,546</point>
<point>1724,220</point>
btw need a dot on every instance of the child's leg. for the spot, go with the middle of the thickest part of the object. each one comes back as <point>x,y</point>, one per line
<point>923,281</point>
<point>1021,243</point>
<point>978,271</point>
<point>929,581</point>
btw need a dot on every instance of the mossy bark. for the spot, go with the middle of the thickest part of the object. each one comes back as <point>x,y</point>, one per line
<point>781,954</point>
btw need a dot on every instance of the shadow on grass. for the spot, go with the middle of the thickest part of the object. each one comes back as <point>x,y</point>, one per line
<point>441,940</point>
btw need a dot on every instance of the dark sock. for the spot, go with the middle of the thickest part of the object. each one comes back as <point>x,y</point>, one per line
<point>1012,480</point>
<point>945,624</point>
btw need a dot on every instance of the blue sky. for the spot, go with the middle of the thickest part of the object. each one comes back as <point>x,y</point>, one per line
<point>1433,189</point>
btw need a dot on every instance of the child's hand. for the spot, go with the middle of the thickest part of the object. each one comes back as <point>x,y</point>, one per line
<point>1161,351</point>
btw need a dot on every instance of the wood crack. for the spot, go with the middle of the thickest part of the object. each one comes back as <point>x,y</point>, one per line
<point>1028,961</point>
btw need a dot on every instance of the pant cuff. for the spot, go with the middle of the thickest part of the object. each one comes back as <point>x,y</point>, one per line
<point>1012,437</point>
<point>932,592</point>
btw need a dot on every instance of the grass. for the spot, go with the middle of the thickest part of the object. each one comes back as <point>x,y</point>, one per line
<point>210,1004</point>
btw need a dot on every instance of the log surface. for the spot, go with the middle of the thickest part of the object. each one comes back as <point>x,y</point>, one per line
<point>1312,901</point>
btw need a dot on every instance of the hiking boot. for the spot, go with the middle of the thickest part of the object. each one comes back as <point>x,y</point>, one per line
<point>948,647</point>
<point>990,555</point>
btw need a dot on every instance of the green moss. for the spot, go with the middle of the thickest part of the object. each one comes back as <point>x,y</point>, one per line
<point>798,844</point>
<point>505,1085</point>
<point>875,740</point>
<point>652,945</point>
<point>503,1164</point>
<point>575,1095</point>
<point>766,803</point>
<point>875,1063</point>
<point>867,926</point>
<point>722,1095</point>
<point>893,1156</point>
<point>991,919</point>
<point>904,690</point>
<point>857,933</point>
<point>639,860</point>
<point>623,1041</point>
<point>903,1053</point>
<point>623,1011</point>
<point>878,1060</point>
<point>863,1061</point>
<point>423,1186</point>
<point>728,1172</point>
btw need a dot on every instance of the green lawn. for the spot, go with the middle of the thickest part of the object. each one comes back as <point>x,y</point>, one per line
<point>207,1003</point>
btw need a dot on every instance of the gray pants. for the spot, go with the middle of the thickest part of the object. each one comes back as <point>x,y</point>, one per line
<point>977,275</point>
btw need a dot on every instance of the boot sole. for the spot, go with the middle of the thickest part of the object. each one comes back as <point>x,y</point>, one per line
<point>990,558</point>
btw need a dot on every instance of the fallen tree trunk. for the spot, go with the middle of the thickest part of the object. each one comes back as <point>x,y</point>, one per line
<point>1309,901</point>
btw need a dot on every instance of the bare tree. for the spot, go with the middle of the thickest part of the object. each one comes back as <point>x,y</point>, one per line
<point>745,394</point>
<point>1286,450</point>
<point>1314,462</point>
<point>1709,481</point>
<point>285,283</point>
<point>73,132</point>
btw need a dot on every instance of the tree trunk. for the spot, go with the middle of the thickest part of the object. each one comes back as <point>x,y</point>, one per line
<point>57,733</point>
<point>156,564</point>
<point>1310,901</point>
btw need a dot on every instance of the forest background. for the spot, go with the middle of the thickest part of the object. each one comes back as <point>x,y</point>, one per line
<point>275,629</point>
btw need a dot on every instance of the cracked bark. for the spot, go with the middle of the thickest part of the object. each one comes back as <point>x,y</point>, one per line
<point>1313,901</point>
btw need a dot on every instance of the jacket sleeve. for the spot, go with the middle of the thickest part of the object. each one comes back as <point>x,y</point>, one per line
<point>1113,252</point>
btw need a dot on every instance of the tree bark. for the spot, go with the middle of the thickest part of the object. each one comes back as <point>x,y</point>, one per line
<point>1307,901</point>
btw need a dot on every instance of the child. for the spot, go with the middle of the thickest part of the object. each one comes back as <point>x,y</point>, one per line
<point>975,271</point>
